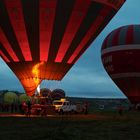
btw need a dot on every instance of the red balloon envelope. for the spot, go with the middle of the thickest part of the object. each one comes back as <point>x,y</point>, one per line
<point>42,39</point>
<point>121,59</point>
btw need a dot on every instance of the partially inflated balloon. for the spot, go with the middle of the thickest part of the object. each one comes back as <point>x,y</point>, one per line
<point>58,94</point>
<point>45,92</point>
<point>121,59</point>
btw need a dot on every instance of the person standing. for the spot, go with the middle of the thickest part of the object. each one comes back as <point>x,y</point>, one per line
<point>12,107</point>
<point>120,110</point>
<point>29,105</point>
<point>86,108</point>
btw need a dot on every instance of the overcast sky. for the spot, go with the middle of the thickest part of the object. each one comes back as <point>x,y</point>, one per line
<point>87,78</point>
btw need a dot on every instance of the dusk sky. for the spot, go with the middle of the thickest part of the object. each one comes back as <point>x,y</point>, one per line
<point>87,78</point>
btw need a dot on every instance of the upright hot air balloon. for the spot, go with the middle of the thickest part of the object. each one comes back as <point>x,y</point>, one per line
<point>42,39</point>
<point>121,59</point>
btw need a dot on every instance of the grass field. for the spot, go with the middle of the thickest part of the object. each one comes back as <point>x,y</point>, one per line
<point>98,126</point>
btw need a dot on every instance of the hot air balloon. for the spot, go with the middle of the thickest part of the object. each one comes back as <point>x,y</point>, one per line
<point>42,39</point>
<point>45,92</point>
<point>120,57</point>
<point>57,94</point>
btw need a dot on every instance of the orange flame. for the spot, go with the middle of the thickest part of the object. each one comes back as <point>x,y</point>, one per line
<point>36,72</point>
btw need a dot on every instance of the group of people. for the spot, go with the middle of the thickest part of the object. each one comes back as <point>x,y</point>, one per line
<point>7,107</point>
<point>16,107</point>
<point>34,107</point>
<point>30,107</point>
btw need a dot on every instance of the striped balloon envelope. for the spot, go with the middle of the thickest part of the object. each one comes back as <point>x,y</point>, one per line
<point>121,59</point>
<point>42,39</point>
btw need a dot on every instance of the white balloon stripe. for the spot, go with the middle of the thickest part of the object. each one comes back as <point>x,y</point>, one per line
<point>121,48</point>
<point>125,75</point>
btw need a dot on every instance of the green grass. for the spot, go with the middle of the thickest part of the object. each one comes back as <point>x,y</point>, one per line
<point>111,127</point>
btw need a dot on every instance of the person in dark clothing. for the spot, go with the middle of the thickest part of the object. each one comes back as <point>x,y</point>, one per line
<point>120,110</point>
<point>12,107</point>
<point>20,109</point>
<point>86,108</point>
<point>29,105</point>
<point>0,107</point>
<point>16,107</point>
<point>24,107</point>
